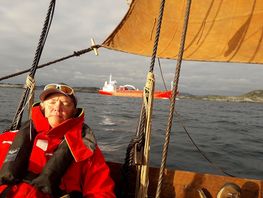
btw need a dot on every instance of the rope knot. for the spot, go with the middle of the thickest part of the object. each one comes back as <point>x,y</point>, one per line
<point>76,53</point>
<point>30,83</point>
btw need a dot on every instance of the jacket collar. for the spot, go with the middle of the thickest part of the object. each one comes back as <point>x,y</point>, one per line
<point>71,130</point>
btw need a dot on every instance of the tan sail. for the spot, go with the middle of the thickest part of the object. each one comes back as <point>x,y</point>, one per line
<point>225,31</point>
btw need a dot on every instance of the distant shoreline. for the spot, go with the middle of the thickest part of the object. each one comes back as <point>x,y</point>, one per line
<point>253,96</point>
<point>77,89</point>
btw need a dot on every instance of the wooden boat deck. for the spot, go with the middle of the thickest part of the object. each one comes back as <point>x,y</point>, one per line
<point>185,184</point>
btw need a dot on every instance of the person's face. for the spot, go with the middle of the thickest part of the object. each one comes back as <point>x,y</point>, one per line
<point>58,108</point>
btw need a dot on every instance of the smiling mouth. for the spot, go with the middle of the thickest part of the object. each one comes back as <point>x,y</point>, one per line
<point>57,116</point>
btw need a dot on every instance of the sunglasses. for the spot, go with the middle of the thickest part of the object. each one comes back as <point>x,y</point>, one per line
<point>64,88</point>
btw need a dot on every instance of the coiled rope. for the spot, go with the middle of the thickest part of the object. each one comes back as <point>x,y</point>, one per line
<point>24,100</point>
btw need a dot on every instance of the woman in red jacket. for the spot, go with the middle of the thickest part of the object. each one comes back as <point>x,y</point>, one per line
<point>55,153</point>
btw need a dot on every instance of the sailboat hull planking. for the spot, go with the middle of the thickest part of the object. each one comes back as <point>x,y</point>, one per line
<point>186,184</point>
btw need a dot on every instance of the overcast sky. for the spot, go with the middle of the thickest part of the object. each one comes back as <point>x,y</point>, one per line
<point>75,22</point>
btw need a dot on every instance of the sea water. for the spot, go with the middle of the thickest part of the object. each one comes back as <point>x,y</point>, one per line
<point>229,134</point>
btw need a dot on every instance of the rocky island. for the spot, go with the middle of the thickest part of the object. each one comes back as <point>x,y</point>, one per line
<point>253,96</point>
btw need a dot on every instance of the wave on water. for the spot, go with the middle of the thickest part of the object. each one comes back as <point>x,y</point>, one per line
<point>109,147</point>
<point>107,121</point>
<point>230,133</point>
<point>5,121</point>
<point>4,124</point>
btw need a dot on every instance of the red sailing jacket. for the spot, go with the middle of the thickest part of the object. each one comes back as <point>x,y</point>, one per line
<point>88,173</point>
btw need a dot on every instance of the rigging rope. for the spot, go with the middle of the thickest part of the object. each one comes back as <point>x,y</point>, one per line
<point>157,36</point>
<point>24,100</point>
<point>138,142</point>
<point>142,179</point>
<point>143,173</point>
<point>191,139</point>
<point>75,53</point>
<point>30,83</point>
<point>144,127</point>
<point>172,102</point>
<point>199,150</point>
<point>159,63</point>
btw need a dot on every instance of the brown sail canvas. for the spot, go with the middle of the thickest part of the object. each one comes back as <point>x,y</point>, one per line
<point>225,31</point>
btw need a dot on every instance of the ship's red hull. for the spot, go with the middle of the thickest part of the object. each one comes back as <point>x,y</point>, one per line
<point>137,93</point>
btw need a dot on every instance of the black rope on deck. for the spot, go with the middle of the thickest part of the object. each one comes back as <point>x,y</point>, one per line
<point>75,53</point>
<point>138,143</point>
<point>19,113</point>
